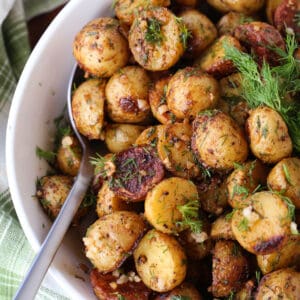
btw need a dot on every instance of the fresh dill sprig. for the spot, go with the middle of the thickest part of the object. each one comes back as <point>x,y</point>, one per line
<point>49,156</point>
<point>270,86</point>
<point>190,215</point>
<point>104,166</point>
<point>179,297</point>
<point>154,33</point>
<point>185,34</point>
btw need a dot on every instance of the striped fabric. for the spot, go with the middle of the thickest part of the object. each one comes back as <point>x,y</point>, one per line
<point>16,253</point>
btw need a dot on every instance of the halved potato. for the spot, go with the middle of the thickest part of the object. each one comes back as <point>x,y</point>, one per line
<point>264,225</point>
<point>148,136</point>
<point>160,261</point>
<point>221,228</point>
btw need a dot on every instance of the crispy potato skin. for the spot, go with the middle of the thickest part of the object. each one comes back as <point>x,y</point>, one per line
<point>160,54</point>
<point>271,6</point>
<point>247,7</point>
<point>126,9</point>
<point>99,47</point>
<point>127,96</point>
<point>160,261</point>
<point>288,256</point>
<point>268,134</point>
<point>190,91</point>
<point>162,201</point>
<point>110,239</point>
<point>281,284</point>
<point>129,290</point>
<point>88,108</point>
<point>218,141</point>
<point>119,137</point>
<point>202,29</point>
<point>244,180</point>
<point>138,170</point>
<point>221,229</point>
<point>213,59</point>
<point>264,225</point>
<point>69,155</point>
<point>230,268</point>
<point>285,177</point>
<point>260,37</point>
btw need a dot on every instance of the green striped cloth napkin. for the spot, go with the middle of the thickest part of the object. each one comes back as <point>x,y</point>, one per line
<point>16,254</point>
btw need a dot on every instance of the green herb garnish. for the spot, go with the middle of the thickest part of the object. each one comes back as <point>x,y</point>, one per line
<point>179,297</point>
<point>243,225</point>
<point>103,165</point>
<point>287,174</point>
<point>154,34</point>
<point>49,156</point>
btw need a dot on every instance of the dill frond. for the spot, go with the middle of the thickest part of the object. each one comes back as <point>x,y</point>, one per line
<point>49,156</point>
<point>104,166</point>
<point>185,34</point>
<point>154,34</point>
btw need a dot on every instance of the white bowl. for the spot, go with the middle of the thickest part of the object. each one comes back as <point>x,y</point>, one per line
<point>39,98</point>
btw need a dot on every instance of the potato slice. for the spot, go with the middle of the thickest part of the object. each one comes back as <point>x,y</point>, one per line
<point>160,261</point>
<point>161,204</point>
<point>264,226</point>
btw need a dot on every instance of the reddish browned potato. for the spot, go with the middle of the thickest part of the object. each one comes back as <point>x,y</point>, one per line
<point>261,37</point>
<point>230,268</point>
<point>114,286</point>
<point>137,170</point>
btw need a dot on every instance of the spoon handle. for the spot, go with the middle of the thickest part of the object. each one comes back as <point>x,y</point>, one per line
<point>43,259</point>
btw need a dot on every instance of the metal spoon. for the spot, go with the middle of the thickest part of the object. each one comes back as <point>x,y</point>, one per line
<point>43,259</point>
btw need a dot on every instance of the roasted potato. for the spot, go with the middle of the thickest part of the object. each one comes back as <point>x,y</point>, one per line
<point>119,137</point>
<point>69,155</point>
<point>271,6</point>
<point>221,228</point>
<point>148,137</point>
<point>230,268</point>
<point>191,3</point>
<point>264,225</point>
<point>281,284</point>
<point>108,202</point>
<point>244,180</point>
<point>261,38</point>
<point>268,134</point>
<point>126,10</point>
<point>285,178</point>
<point>100,49</point>
<point>213,60</point>
<point>110,239</point>
<point>185,291</point>
<point>160,261</point>
<point>173,147</point>
<point>218,141</point>
<point>190,91</point>
<point>247,291</point>
<point>117,286</point>
<point>288,256</point>
<point>202,32</point>
<point>247,7</point>
<point>163,201</point>
<point>155,39</point>
<point>88,108</point>
<point>127,96</point>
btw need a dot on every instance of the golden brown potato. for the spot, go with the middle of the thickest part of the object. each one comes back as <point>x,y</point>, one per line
<point>160,261</point>
<point>202,32</point>
<point>156,39</point>
<point>271,6</point>
<point>69,155</point>
<point>213,60</point>
<point>285,178</point>
<point>288,256</point>
<point>247,291</point>
<point>108,202</point>
<point>110,239</point>
<point>173,147</point>
<point>268,134</point>
<point>88,108</point>
<point>127,96</point>
<point>185,291</point>
<point>230,268</point>
<point>99,47</point>
<point>247,7</point>
<point>163,201</point>
<point>52,192</point>
<point>158,101</point>
<point>190,91</point>
<point>119,137</point>
<point>230,21</point>
<point>148,136</point>
<point>244,180</point>
<point>221,228</point>
<point>264,225</point>
<point>126,10</point>
<point>218,141</point>
<point>281,284</point>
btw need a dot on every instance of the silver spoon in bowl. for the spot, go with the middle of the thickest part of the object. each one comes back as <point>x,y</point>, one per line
<point>44,257</point>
